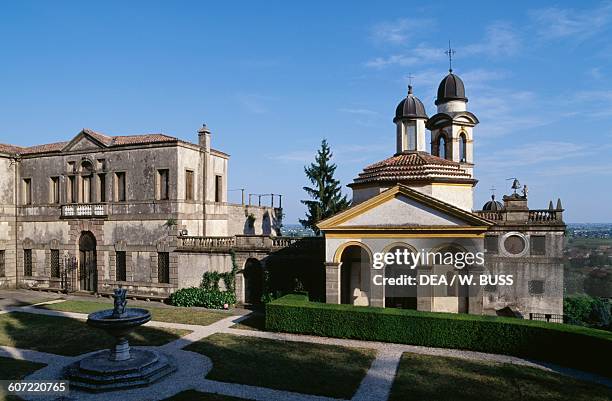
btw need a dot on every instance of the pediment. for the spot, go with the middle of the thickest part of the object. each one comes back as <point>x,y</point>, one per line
<point>83,141</point>
<point>401,207</point>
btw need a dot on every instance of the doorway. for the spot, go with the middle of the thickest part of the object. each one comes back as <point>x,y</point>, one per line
<point>87,262</point>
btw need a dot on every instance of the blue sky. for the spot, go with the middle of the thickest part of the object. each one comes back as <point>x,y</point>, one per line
<point>271,79</point>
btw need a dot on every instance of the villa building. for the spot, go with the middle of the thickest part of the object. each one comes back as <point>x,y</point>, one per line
<point>419,200</point>
<point>100,211</point>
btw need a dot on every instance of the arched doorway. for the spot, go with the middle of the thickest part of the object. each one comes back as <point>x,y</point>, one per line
<point>355,266</point>
<point>253,281</point>
<point>88,270</point>
<point>401,296</point>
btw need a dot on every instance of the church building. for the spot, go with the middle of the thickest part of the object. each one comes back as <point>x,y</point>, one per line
<point>421,199</point>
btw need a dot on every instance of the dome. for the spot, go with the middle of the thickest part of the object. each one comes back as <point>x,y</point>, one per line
<point>493,205</point>
<point>451,88</point>
<point>410,107</point>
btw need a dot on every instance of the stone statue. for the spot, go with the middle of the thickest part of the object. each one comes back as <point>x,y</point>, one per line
<point>120,303</point>
<point>525,191</point>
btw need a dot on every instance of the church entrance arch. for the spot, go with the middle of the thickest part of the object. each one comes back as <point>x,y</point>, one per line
<point>355,264</point>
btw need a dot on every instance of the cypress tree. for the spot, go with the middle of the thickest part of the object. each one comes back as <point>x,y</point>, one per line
<point>326,195</point>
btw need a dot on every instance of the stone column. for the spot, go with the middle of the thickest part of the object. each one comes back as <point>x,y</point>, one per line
<point>332,282</point>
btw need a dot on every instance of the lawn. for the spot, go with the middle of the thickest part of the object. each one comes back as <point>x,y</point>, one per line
<point>293,366</point>
<point>65,336</point>
<point>192,395</point>
<point>172,315</point>
<point>256,322</point>
<point>424,377</point>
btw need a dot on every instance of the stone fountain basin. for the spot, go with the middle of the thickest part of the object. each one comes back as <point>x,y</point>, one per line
<point>132,318</point>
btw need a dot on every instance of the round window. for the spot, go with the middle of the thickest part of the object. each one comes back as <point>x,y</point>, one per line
<point>514,244</point>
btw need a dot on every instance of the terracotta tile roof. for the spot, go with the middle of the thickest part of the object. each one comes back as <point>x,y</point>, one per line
<point>414,166</point>
<point>11,149</point>
<point>49,147</point>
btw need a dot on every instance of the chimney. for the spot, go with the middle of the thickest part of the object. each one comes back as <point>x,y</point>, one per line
<point>204,137</point>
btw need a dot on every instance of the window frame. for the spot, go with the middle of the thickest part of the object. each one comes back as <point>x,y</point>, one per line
<point>163,267</point>
<point>189,185</point>
<point>28,263</point>
<point>163,184</point>
<point>120,186</point>
<point>27,190</point>
<point>120,255</point>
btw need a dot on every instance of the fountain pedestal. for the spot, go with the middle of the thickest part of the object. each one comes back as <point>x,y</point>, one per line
<point>119,367</point>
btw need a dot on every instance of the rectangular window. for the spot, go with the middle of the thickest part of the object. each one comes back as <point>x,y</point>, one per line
<point>27,191</point>
<point>55,263</point>
<point>27,262</point>
<point>54,190</point>
<point>71,190</point>
<point>218,188</point>
<point>163,184</point>
<point>536,287</point>
<point>2,264</point>
<point>163,267</point>
<point>538,244</point>
<point>491,243</point>
<point>120,270</point>
<point>102,187</point>
<point>120,187</point>
<point>189,185</point>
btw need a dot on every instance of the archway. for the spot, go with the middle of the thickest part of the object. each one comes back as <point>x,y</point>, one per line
<point>253,281</point>
<point>401,296</point>
<point>88,270</point>
<point>355,265</point>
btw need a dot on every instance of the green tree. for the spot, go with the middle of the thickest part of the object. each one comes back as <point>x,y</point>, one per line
<point>326,195</point>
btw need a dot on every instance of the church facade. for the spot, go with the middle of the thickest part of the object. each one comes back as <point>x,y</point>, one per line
<point>421,201</point>
<point>148,212</point>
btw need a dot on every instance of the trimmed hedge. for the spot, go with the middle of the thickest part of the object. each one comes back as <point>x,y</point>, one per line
<point>567,345</point>
<point>197,296</point>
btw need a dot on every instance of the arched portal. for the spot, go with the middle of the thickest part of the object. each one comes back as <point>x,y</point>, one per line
<point>88,270</point>
<point>253,281</point>
<point>401,296</point>
<point>354,275</point>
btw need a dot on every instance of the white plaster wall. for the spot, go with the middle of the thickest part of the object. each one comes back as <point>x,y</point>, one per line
<point>134,232</point>
<point>452,106</point>
<point>461,196</point>
<point>402,211</point>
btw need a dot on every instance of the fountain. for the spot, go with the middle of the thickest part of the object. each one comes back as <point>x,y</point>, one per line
<point>119,367</point>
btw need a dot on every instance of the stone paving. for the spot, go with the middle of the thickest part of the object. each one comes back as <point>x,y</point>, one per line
<point>193,367</point>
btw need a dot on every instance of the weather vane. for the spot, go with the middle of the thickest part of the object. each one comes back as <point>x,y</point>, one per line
<point>450,53</point>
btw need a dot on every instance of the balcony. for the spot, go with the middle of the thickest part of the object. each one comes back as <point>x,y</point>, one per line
<point>96,210</point>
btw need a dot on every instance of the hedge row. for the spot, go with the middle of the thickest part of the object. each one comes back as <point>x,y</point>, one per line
<point>198,296</point>
<point>571,346</point>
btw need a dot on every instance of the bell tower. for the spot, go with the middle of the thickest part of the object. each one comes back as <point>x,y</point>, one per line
<point>410,119</point>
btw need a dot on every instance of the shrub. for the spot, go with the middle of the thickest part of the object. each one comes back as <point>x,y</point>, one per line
<point>197,296</point>
<point>572,346</point>
<point>584,310</point>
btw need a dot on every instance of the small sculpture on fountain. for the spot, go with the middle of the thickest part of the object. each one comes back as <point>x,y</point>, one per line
<point>120,303</point>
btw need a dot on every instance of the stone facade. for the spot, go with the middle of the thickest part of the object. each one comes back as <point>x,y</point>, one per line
<point>117,205</point>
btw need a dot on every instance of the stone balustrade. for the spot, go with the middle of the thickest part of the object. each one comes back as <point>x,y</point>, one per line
<point>241,242</point>
<point>528,216</point>
<point>85,210</point>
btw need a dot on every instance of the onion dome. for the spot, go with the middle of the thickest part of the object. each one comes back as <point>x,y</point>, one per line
<point>410,107</point>
<point>493,205</point>
<point>451,88</point>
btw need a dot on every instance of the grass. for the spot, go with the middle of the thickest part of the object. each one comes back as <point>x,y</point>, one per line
<point>293,366</point>
<point>192,395</point>
<point>172,315</point>
<point>254,322</point>
<point>16,369</point>
<point>65,336</point>
<point>424,377</point>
